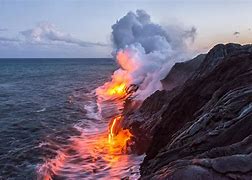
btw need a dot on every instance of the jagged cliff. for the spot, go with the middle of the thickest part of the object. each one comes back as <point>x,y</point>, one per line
<point>201,126</point>
<point>180,72</point>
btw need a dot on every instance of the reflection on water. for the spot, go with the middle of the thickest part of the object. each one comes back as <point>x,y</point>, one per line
<point>97,152</point>
<point>51,126</point>
<point>91,156</point>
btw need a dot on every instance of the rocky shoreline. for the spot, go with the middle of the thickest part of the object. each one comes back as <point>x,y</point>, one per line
<point>200,126</point>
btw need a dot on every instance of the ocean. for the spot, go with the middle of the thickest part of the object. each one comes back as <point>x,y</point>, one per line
<point>50,125</point>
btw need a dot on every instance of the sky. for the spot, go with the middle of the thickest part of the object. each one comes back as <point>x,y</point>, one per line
<point>82,28</point>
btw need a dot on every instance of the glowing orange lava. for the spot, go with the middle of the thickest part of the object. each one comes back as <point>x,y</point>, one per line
<point>119,89</point>
<point>113,90</point>
<point>121,78</point>
<point>118,137</point>
<point>116,90</point>
<point>100,151</point>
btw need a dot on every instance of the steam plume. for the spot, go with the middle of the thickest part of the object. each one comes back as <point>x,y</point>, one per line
<point>146,51</point>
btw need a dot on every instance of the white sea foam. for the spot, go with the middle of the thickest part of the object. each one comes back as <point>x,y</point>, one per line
<point>41,110</point>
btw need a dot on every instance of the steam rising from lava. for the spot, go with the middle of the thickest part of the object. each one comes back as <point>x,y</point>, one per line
<point>145,52</point>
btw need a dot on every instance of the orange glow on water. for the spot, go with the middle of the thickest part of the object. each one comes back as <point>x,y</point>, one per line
<point>107,149</point>
<point>116,90</point>
<point>94,154</point>
<point>92,151</point>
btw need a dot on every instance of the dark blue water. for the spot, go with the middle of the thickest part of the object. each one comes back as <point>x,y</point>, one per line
<point>50,126</point>
<point>35,102</point>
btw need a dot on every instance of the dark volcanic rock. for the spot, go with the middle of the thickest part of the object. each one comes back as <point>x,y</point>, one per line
<point>201,129</point>
<point>180,72</point>
<point>217,54</point>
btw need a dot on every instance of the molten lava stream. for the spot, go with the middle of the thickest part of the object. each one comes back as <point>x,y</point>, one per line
<point>112,91</point>
<point>115,92</point>
<point>96,154</point>
<point>118,137</point>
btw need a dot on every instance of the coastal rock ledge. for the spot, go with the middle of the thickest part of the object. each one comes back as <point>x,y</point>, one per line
<point>201,126</point>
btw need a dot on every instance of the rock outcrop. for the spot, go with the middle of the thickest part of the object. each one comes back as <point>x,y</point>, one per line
<point>180,72</point>
<point>201,128</point>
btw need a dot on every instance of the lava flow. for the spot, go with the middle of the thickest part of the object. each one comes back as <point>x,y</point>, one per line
<point>120,80</point>
<point>114,89</point>
<point>118,137</point>
<point>115,92</point>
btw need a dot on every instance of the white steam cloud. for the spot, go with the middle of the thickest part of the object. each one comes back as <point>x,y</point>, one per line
<point>151,49</point>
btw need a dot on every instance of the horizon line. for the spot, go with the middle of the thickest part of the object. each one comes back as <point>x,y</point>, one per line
<point>55,58</point>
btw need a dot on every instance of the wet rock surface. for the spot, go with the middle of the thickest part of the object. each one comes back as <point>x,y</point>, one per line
<point>202,127</point>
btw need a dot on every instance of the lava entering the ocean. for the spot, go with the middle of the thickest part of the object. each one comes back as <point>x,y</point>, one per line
<point>113,90</point>
<point>118,89</point>
<point>118,137</point>
<point>120,80</point>
<point>116,92</point>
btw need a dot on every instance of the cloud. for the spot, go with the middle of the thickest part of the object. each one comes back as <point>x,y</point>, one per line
<point>7,39</point>
<point>236,33</point>
<point>45,40</point>
<point>4,40</point>
<point>3,29</point>
<point>47,33</point>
